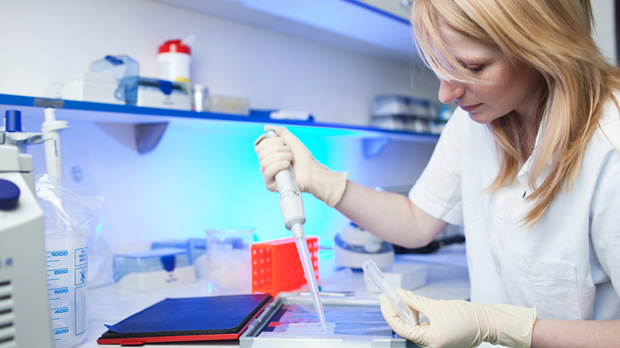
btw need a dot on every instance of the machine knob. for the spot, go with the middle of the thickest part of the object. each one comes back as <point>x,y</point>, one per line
<point>13,121</point>
<point>372,247</point>
<point>9,195</point>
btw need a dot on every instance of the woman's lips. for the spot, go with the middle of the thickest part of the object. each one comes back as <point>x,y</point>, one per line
<point>469,108</point>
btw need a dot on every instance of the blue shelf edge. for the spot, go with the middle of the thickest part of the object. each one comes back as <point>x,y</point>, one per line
<point>379,11</point>
<point>255,116</point>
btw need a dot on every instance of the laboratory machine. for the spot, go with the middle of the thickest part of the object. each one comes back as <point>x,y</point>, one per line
<point>24,305</point>
<point>353,245</point>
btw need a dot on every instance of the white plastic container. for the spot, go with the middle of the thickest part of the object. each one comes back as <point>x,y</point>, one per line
<point>174,62</point>
<point>152,93</point>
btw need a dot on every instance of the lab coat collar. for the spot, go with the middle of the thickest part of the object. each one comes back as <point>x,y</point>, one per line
<point>524,172</point>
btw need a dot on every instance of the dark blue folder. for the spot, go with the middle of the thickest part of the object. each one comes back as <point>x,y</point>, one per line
<point>188,319</point>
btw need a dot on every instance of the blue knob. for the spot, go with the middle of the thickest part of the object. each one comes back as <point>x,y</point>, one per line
<point>9,195</point>
<point>13,120</point>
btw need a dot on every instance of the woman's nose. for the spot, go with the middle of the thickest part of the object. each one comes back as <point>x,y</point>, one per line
<point>450,90</point>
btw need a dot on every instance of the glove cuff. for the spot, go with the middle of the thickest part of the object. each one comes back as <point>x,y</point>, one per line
<point>514,325</point>
<point>332,186</point>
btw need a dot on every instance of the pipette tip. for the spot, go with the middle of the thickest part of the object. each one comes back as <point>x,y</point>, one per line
<point>306,263</point>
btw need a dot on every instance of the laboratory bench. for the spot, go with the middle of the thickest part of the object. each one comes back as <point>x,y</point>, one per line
<point>447,278</point>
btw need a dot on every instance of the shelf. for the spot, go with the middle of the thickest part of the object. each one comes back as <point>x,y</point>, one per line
<point>372,27</point>
<point>150,123</point>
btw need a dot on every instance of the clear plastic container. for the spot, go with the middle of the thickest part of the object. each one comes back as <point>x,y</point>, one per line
<point>171,243</point>
<point>124,69</point>
<point>153,269</point>
<point>198,256</point>
<point>149,261</point>
<point>228,260</point>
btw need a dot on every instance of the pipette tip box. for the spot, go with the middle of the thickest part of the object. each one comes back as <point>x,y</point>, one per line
<point>153,269</point>
<point>196,247</point>
<point>406,276</point>
<point>276,266</point>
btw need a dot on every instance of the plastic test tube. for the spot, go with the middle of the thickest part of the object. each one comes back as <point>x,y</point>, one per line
<point>370,267</point>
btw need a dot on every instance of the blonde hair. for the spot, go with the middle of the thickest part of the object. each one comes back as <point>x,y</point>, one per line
<point>553,37</point>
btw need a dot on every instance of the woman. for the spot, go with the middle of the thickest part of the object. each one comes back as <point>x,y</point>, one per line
<point>528,163</point>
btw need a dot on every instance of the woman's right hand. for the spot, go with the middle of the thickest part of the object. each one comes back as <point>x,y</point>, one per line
<point>285,150</point>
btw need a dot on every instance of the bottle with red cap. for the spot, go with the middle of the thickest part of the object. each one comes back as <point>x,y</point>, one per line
<point>174,62</point>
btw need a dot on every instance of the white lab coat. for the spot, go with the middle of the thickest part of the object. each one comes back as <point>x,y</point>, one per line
<point>567,264</point>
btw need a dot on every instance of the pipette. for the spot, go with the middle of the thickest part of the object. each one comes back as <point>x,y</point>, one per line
<point>292,209</point>
<point>51,141</point>
<point>370,267</point>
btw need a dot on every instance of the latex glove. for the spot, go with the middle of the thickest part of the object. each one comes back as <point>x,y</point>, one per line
<point>277,153</point>
<point>458,323</point>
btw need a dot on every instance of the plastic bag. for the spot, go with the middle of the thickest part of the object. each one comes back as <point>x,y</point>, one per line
<point>69,219</point>
<point>68,213</point>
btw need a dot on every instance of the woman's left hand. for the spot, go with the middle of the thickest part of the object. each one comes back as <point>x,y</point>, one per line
<point>458,323</point>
